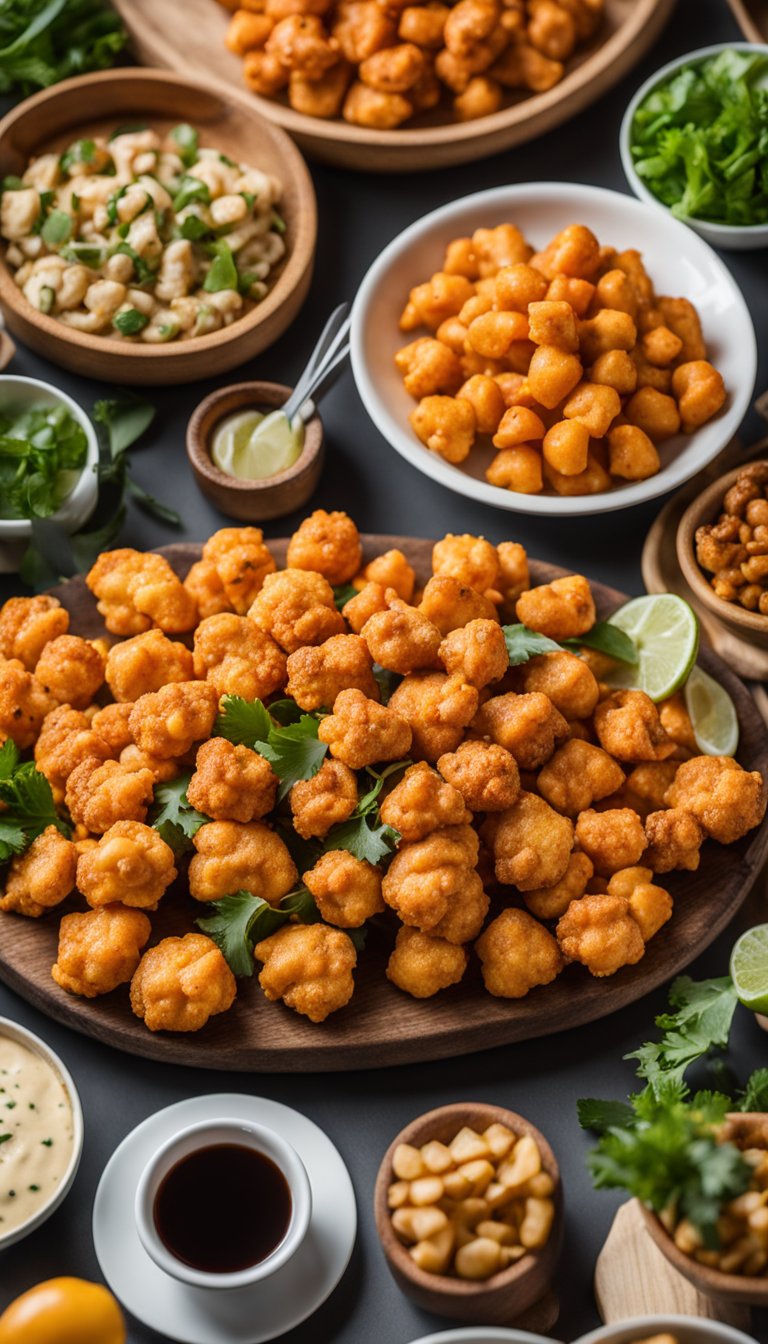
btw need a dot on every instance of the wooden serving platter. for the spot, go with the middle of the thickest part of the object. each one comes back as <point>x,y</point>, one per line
<point>188,36</point>
<point>383,1026</point>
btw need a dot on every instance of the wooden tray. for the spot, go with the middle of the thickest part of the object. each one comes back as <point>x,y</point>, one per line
<point>382,1026</point>
<point>188,36</point>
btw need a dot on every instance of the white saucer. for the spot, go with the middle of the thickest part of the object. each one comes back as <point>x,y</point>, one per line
<point>485,1335</point>
<point>246,1315</point>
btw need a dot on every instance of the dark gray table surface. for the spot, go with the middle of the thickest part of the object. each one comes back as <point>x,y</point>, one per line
<point>361,1111</point>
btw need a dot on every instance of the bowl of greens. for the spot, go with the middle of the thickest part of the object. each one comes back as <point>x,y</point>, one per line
<point>48,458</point>
<point>694,139</point>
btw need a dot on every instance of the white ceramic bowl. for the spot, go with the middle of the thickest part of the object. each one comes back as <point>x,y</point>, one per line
<point>686,1329</point>
<point>738,238</point>
<point>14,1032</point>
<point>22,393</point>
<point>679,263</point>
<point>485,1334</point>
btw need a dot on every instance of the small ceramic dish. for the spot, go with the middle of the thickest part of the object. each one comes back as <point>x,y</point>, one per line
<point>739,239</point>
<point>713,1283</point>
<point>92,104</point>
<point>751,626</point>
<point>685,1329</point>
<point>503,1297</point>
<point>678,262</point>
<point>11,1030</point>
<point>253,501</point>
<point>480,1335</point>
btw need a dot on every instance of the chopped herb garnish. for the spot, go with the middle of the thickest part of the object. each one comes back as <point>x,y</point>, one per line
<point>364,834</point>
<point>222,273</point>
<point>82,151</point>
<point>191,189</point>
<point>5,1137</point>
<point>187,143</point>
<point>174,819</point>
<point>242,920</point>
<point>278,223</point>
<point>130,322</point>
<point>56,229</point>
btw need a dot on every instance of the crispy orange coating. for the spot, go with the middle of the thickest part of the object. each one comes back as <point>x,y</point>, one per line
<point>27,624</point>
<point>207,590</point>
<point>66,738</point>
<point>562,609</point>
<point>676,722</point>
<point>430,880</point>
<point>531,844</point>
<point>477,651</point>
<point>448,603</point>
<point>552,902</point>
<point>111,725</point>
<point>242,563</point>
<point>131,865</point>
<point>528,726</point>
<point>601,932</point>
<point>42,877</point>
<point>347,890</point>
<point>612,839</point>
<point>438,708</point>
<point>24,703</point>
<point>237,658</point>
<point>234,856</point>
<point>323,801</point>
<point>471,560</point>
<point>101,793</point>
<point>146,663</point>
<point>647,785</point>
<point>567,680</point>
<point>100,949</point>
<point>651,905</point>
<point>517,954</point>
<point>71,669</point>
<point>514,576</point>
<point>422,802</point>
<point>138,589</point>
<point>674,838</point>
<point>309,967</point>
<point>401,639</point>
<point>231,783</point>
<point>360,732</point>
<point>167,723</point>
<point>392,570</point>
<point>133,758</point>
<point>485,774</point>
<point>317,675</point>
<point>181,983</point>
<point>296,607</point>
<point>628,726</point>
<point>369,599</point>
<point>727,800</point>
<point>421,965</point>
<point>577,775</point>
<point>328,544</point>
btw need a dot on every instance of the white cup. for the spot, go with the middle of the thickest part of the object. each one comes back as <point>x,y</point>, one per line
<point>205,1135</point>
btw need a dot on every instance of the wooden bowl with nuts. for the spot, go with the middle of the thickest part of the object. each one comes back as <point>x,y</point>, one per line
<point>469,1210</point>
<point>723,528</point>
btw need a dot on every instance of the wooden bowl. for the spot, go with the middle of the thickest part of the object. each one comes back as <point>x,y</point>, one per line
<point>710,1282</point>
<point>253,501</point>
<point>504,1297</point>
<point>228,120</point>
<point>188,35</point>
<point>748,625</point>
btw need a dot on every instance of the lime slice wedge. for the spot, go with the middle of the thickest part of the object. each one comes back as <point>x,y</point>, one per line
<point>665,631</point>
<point>712,713</point>
<point>251,446</point>
<point>749,968</point>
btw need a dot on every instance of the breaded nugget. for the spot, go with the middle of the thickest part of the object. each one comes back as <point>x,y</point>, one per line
<point>727,800</point>
<point>421,965</point>
<point>233,856</point>
<point>206,589</point>
<point>552,902</point>
<point>368,600</point>
<point>402,639</point>
<point>146,663</point>
<point>423,802</point>
<point>101,793</point>
<point>517,954</point>
<point>562,609</point>
<point>323,801</point>
<point>181,983</point>
<point>528,726</point>
<point>42,877</point>
<point>237,658</point>
<point>131,865</point>
<point>477,651</point>
<point>347,890</point>
<point>602,933</point>
<point>316,676</point>
<point>577,775</point>
<point>650,904</point>
<point>309,967</point>
<point>674,838</point>
<point>24,703</point>
<point>628,726</point>
<point>168,722</point>
<point>612,839</point>
<point>296,607</point>
<point>242,562</point>
<point>676,722</point>
<point>531,844</point>
<point>329,544</point>
<point>450,604</point>
<point>391,570</point>
<point>231,783</point>
<point>138,589</point>
<point>567,680</point>
<point>647,785</point>
<point>438,708</point>
<point>71,669</point>
<point>67,737</point>
<point>27,624</point>
<point>100,949</point>
<point>485,774</point>
<point>427,877</point>
<point>359,732</point>
<point>133,758</point>
<point>472,560</point>
<point>111,725</point>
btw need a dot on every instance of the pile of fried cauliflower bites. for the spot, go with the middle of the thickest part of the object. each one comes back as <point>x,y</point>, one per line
<point>534,815</point>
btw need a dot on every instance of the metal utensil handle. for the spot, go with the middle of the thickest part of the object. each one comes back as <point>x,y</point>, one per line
<point>334,330</point>
<point>324,379</point>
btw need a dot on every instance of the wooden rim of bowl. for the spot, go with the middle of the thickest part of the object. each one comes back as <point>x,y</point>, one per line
<point>302,224</point>
<point>712,1282</point>
<point>704,509</point>
<point>435,1124</point>
<point>225,401</point>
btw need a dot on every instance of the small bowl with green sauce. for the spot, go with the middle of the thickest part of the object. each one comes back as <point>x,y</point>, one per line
<point>692,142</point>
<point>246,457</point>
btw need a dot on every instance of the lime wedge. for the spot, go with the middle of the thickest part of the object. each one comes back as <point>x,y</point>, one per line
<point>251,446</point>
<point>665,631</point>
<point>749,968</point>
<point>713,715</point>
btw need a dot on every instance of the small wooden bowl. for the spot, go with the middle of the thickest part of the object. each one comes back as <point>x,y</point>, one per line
<point>748,625</point>
<point>507,1295</point>
<point>253,501</point>
<point>711,1283</point>
<point>92,104</point>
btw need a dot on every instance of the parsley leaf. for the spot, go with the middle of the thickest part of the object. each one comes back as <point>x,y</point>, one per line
<point>294,752</point>
<point>12,840</point>
<point>523,644</point>
<point>701,1022</point>
<point>363,834</point>
<point>244,722</point>
<point>222,273</point>
<point>174,819</point>
<point>242,920</point>
<point>29,806</point>
<point>608,639</point>
<point>343,593</point>
<point>56,228</point>
<point>602,1115</point>
<point>191,189</point>
<point>755,1097</point>
<point>125,418</point>
<point>387,682</point>
<point>187,143</point>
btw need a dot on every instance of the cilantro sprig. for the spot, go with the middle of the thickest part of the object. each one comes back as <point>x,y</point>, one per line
<point>241,920</point>
<point>173,817</point>
<point>363,834</point>
<point>29,806</point>
<point>292,748</point>
<point>524,643</point>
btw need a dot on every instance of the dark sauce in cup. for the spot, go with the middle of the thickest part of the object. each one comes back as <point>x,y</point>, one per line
<point>223,1208</point>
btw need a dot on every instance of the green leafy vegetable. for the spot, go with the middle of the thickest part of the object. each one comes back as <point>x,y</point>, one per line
<point>294,752</point>
<point>82,151</point>
<point>128,128</point>
<point>755,1097</point>
<point>700,1023</point>
<point>242,920</point>
<point>173,817</point>
<point>363,833</point>
<point>244,722</point>
<point>344,593</point>
<point>602,1115</point>
<point>191,189</point>
<point>85,253</point>
<point>144,273</point>
<point>608,639</point>
<point>194,228</point>
<point>386,681</point>
<point>28,802</point>
<point>187,141</point>
<point>125,418</point>
<point>223,271</point>
<point>523,644</point>
<point>56,228</point>
<point>48,40</point>
<point>130,321</point>
<point>42,451</point>
<point>278,223</point>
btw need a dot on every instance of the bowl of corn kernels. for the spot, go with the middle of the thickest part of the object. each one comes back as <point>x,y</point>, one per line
<point>469,1211</point>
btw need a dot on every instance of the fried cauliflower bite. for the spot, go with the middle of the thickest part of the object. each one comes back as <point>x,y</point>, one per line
<point>323,801</point>
<point>421,965</point>
<point>138,589</point>
<point>676,722</point>
<point>612,839</point>
<point>570,684</point>
<point>514,576</point>
<point>651,905</point>
<point>242,563</point>
<point>146,663</point>
<point>577,775</point>
<point>131,864</point>
<point>317,675</point>
<point>727,800</point>
<point>67,737</point>
<point>562,609</point>
<point>552,902</point>
<point>236,856</point>
<point>167,723</point>
<point>485,774</point>
<point>528,726</point>
<point>42,877</point>
<point>471,560</point>
<point>206,588</point>
<point>309,967</point>
<point>647,785</point>
<point>99,950</point>
<point>531,844</point>
<point>296,607</point>
<point>477,651</point>
<point>446,425</point>
<point>347,891</point>
<point>602,933</point>
<point>438,708</point>
<point>674,838</point>
<point>401,639</point>
<point>428,878</point>
<point>71,669</point>
<point>181,983</point>
<point>629,728</point>
<point>422,802</point>
<point>237,658</point>
<point>101,793</point>
<point>133,758</point>
<point>392,570</point>
<point>327,544</point>
<point>517,954</point>
<point>27,624</point>
<point>111,725</point>
<point>369,599</point>
<point>361,732</point>
<point>231,783</point>
<point>24,703</point>
<point>450,604</point>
